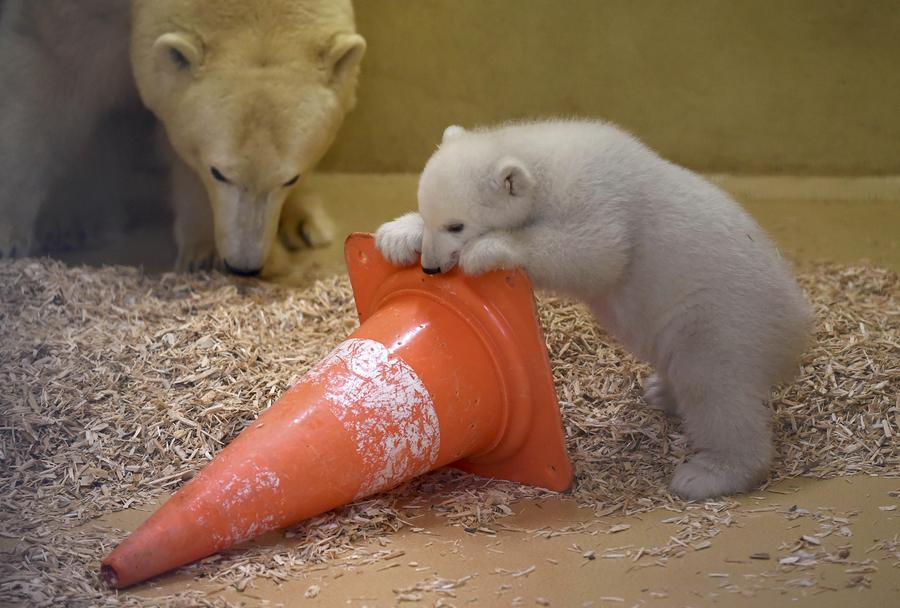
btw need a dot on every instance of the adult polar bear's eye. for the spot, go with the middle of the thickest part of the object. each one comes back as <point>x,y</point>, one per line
<point>178,58</point>
<point>218,175</point>
<point>457,227</point>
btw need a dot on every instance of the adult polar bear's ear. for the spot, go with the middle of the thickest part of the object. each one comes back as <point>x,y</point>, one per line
<point>451,133</point>
<point>511,176</point>
<point>344,55</point>
<point>177,52</point>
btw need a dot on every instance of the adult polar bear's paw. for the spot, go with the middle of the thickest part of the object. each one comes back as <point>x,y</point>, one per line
<point>304,222</point>
<point>14,242</point>
<point>400,240</point>
<point>197,256</point>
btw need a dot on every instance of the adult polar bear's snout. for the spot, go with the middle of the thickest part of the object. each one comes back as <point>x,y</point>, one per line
<point>245,226</point>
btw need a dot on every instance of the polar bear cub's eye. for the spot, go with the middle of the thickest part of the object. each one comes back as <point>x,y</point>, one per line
<point>291,181</point>
<point>218,175</point>
<point>457,227</point>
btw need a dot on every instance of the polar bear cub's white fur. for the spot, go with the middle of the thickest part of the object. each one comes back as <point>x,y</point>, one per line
<point>668,263</point>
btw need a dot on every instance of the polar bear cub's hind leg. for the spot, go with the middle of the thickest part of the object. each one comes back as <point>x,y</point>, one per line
<point>658,395</point>
<point>726,419</point>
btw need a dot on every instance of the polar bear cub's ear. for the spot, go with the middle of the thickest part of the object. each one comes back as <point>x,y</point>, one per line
<point>511,176</point>
<point>345,53</point>
<point>177,51</point>
<point>451,133</point>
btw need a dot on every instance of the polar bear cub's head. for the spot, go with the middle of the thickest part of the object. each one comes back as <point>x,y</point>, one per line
<point>470,186</point>
<point>251,95</point>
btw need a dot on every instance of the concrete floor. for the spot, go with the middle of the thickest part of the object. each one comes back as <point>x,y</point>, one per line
<point>722,575</point>
<point>849,221</point>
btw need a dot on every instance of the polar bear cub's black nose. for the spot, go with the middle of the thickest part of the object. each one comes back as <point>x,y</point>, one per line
<point>431,270</point>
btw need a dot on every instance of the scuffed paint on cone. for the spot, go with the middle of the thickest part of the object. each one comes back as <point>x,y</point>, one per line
<point>387,410</point>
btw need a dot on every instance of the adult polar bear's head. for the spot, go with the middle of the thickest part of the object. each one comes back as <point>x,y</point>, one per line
<point>469,187</point>
<point>251,95</point>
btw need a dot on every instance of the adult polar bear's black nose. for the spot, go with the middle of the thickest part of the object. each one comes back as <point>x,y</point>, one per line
<point>431,270</point>
<point>242,272</point>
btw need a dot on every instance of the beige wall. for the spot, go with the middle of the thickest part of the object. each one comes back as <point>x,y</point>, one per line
<point>794,86</point>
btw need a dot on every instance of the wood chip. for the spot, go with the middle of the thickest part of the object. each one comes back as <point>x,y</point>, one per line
<point>312,592</point>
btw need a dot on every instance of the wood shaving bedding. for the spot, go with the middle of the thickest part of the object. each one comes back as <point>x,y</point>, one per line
<point>117,387</point>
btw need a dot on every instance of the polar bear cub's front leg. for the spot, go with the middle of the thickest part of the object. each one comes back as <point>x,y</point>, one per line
<point>400,240</point>
<point>492,251</point>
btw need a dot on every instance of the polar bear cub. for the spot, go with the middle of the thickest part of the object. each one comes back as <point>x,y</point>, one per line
<point>669,264</point>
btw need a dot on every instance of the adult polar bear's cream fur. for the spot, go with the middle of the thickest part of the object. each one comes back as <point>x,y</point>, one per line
<point>63,65</point>
<point>251,95</point>
<point>250,92</point>
<point>667,262</point>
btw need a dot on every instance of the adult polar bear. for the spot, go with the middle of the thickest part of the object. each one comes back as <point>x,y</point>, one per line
<point>250,94</point>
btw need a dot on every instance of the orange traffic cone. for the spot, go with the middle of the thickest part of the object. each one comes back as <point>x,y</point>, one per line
<point>444,370</point>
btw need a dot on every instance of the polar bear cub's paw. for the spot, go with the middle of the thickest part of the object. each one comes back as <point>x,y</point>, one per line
<point>706,476</point>
<point>489,252</point>
<point>400,240</point>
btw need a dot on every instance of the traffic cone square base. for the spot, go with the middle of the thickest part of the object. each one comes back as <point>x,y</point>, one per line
<point>500,307</point>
